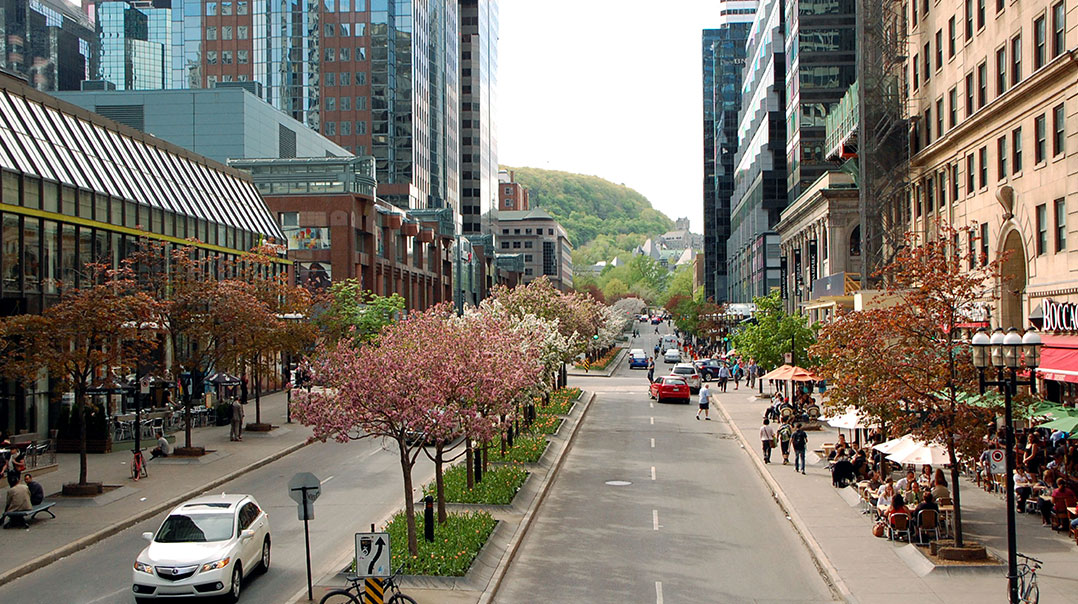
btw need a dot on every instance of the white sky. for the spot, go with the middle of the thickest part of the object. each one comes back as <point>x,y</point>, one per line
<point>607,87</point>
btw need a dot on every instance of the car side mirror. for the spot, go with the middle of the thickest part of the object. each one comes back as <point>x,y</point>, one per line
<point>247,534</point>
<point>147,536</point>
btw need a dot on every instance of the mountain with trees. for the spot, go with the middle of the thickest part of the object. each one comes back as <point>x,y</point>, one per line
<point>602,219</point>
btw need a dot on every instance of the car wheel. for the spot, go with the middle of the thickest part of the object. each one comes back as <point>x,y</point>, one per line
<point>707,377</point>
<point>264,563</point>
<point>237,584</point>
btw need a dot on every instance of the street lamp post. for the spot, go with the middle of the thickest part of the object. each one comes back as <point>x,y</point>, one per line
<point>1008,351</point>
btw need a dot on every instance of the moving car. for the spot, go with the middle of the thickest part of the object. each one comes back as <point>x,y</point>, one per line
<point>656,320</point>
<point>687,371</point>
<point>205,547</point>
<point>672,355</point>
<point>708,368</point>
<point>638,358</point>
<point>668,341</point>
<point>669,387</point>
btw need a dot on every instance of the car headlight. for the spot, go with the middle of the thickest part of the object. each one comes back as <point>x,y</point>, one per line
<point>143,567</point>
<point>215,565</point>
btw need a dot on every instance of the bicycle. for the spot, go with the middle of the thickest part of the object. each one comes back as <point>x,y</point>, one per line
<point>138,465</point>
<point>1028,592</point>
<point>356,594</point>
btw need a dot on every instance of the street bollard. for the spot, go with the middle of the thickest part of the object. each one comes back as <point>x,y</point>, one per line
<point>428,518</point>
<point>478,459</point>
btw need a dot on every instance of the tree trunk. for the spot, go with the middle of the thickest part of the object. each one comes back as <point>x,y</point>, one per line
<point>409,505</point>
<point>439,480</point>
<point>258,388</point>
<point>470,475</point>
<point>955,498</point>
<point>80,410</point>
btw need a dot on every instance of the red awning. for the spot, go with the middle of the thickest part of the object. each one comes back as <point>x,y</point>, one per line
<point>1059,358</point>
<point>973,325</point>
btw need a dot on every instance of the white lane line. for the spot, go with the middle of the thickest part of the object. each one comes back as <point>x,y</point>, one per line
<point>653,421</point>
<point>653,472</point>
<point>652,405</point>
<point>654,520</point>
<point>327,480</point>
<point>653,443</point>
<point>108,596</point>
<point>658,592</point>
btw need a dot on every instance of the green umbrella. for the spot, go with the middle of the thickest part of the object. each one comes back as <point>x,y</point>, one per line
<point>1066,423</point>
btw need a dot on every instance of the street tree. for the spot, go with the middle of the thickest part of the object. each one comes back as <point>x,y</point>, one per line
<point>774,333</point>
<point>347,312</point>
<point>904,362</point>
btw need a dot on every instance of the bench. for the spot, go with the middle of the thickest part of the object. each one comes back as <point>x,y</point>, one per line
<point>29,514</point>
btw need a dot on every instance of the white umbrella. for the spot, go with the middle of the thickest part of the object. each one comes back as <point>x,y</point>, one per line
<point>893,444</point>
<point>930,454</point>
<point>851,420</point>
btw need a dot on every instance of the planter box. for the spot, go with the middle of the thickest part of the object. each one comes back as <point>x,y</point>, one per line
<point>93,445</point>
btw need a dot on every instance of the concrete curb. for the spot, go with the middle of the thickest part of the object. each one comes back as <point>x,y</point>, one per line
<point>525,523</point>
<point>91,539</point>
<point>823,564</point>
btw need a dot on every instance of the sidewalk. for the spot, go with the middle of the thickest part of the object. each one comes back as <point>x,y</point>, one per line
<point>869,570</point>
<point>80,523</point>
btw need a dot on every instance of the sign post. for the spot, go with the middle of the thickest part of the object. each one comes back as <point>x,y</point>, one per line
<point>373,563</point>
<point>304,488</point>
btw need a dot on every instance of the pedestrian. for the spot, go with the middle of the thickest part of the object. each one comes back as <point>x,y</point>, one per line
<point>237,421</point>
<point>784,434</point>
<point>799,440</point>
<point>37,493</point>
<point>162,449</point>
<point>705,400</point>
<point>17,499</point>
<point>767,439</point>
<point>724,376</point>
<point>651,370</point>
<point>736,372</point>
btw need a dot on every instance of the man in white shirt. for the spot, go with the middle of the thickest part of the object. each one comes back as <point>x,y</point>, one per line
<point>767,439</point>
<point>904,483</point>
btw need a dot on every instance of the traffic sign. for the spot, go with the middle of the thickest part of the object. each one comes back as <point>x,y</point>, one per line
<point>304,488</point>
<point>996,459</point>
<point>372,555</point>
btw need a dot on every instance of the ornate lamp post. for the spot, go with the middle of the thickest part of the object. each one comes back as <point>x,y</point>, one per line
<point>1010,351</point>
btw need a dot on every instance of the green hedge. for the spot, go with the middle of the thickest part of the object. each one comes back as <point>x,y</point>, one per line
<point>499,485</point>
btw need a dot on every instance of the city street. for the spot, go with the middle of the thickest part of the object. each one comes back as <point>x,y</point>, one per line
<point>361,485</point>
<point>693,524</point>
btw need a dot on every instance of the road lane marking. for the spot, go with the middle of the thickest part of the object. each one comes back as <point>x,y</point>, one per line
<point>653,421</point>
<point>326,480</point>
<point>654,520</point>
<point>658,592</point>
<point>652,405</point>
<point>653,472</point>
<point>653,443</point>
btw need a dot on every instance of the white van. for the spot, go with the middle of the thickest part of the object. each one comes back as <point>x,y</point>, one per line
<point>669,341</point>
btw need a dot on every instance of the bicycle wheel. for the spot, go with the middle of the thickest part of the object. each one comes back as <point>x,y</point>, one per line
<point>339,596</point>
<point>399,598</point>
<point>1033,596</point>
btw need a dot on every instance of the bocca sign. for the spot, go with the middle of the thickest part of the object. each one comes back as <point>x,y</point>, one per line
<point>1060,316</point>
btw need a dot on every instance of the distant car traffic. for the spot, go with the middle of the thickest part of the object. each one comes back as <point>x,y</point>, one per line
<point>638,358</point>
<point>671,355</point>
<point>687,371</point>
<point>669,387</point>
<point>708,368</point>
<point>642,318</point>
<point>205,547</point>
<point>656,320</point>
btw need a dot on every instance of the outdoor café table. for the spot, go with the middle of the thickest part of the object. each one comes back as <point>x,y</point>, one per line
<point>946,513</point>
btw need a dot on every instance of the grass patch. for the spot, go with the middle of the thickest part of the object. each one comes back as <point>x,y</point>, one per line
<point>545,423</point>
<point>525,449</point>
<point>499,485</point>
<point>455,545</point>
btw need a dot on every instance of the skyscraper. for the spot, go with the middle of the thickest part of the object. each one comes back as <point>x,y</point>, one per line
<point>479,82</point>
<point>134,44</point>
<point>723,61</point>
<point>48,42</point>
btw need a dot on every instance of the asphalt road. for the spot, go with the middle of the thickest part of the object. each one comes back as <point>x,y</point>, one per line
<point>694,524</point>
<point>361,484</point>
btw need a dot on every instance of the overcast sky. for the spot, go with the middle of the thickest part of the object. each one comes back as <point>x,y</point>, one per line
<point>610,88</point>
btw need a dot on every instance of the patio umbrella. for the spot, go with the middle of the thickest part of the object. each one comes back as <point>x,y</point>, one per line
<point>921,454</point>
<point>790,373</point>
<point>894,444</point>
<point>223,379</point>
<point>109,385</point>
<point>1066,423</point>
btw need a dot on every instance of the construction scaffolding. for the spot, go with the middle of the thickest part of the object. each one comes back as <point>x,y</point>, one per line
<point>881,143</point>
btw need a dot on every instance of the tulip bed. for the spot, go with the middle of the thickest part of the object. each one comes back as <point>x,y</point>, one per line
<point>561,401</point>
<point>455,545</point>
<point>604,361</point>
<point>500,483</point>
<point>525,449</point>
<point>545,423</point>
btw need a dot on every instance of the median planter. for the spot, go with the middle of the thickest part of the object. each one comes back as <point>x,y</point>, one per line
<point>946,550</point>
<point>189,451</point>
<point>263,427</point>
<point>90,489</point>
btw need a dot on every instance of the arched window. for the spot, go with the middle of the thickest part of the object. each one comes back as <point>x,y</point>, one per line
<point>855,241</point>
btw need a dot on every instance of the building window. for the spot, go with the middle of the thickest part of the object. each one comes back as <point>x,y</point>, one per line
<point>211,33</point>
<point>984,244</point>
<point>1039,135</point>
<point>972,251</point>
<point>1059,42</point>
<point>916,71</point>
<point>928,62</point>
<point>1038,43</point>
<point>226,32</point>
<point>954,182</point>
<point>971,174</point>
<point>1016,150</point>
<point>346,128</point>
<point>1059,139</point>
<point>211,9</point>
<point>346,103</point>
<point>1001,157</point>
<point>241,7</point>
<point>1016,60</point>
<point>952,105</point>
<point>330,30</point>
<point>331,54</point>
<point>930,196</point>
<point>226,57</point>
<point>951,36</point>
<point>361,76</point>
<point>226,9</point>
<point>1001,71</point>
<point>913,12</point>
<point>980,14</point>
<point>1042,229</point>
<point>242,32</point>
<point>982,156</point>
<point>982,85</point>
<point>331,103</point>
<point>243,56</point>
<point>999,6</point>
<point>969,20</point>
<point>211,57</point>
<point>361,127</point>
<point>331,128</point>
<point>1061,224</point>
<point>939,117</point>
<point>939,49</point>
<point>516,245</point>
<point>969,94</point>
<point>528,245</point>
<point>505,245</point>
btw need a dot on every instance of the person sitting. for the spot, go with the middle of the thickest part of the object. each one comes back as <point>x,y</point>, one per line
<point>904,483</point>
<point>939,486</point>
<point>18,499</point>
<point>1062,498</point>
<point>886,494</point>
<point>873,481</point>
<point>1023,487</point>
<point>898,506</point>
<point>37,493</point>
<point>926,476</point>
<point>162,449</point>
<point>929,503</point>
<point>914,495</point>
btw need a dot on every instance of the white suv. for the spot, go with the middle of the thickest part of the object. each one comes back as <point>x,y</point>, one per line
<point>205,547</point>
<point>691,375</point>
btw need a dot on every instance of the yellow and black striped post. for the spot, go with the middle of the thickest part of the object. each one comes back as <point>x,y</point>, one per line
<point>374,590</point>
<point>587,365</point>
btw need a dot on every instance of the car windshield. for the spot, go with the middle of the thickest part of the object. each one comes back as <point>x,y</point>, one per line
<point>179,528</point>
<point>675,382</point>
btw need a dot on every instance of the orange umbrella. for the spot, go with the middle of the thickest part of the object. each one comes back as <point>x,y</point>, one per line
<point>790,373</point>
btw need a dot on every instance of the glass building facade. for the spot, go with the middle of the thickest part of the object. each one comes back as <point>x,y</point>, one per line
<point>47,42</point>
<point>479,83</point>
<point>135,44</point>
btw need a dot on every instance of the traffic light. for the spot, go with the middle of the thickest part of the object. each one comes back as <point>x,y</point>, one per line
<point>595,337</point>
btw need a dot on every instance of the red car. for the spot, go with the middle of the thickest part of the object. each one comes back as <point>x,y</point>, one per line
<point>669,387</point>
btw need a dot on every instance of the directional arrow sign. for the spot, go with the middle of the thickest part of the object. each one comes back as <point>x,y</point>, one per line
<point>372,555</point>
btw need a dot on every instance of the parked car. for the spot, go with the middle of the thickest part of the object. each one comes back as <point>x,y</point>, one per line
<point>687,371</point>
<point>708,368</point>
<point>638,358</point>
<point>669,387</point>
<point>672,355</point>
<point>205,547</point>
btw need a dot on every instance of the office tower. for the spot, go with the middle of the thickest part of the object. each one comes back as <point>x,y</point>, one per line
<point>134,44</point>
<point>47,42</point>
<point>759,193</point>
<point>723,61</point>
<point>820,66</point>
<point>478,97</point>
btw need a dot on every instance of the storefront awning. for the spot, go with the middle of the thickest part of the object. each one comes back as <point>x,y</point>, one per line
<point>1059,358</point>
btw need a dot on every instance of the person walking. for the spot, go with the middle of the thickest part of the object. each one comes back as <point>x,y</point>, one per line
<point>724,376</point>
<point>651,369</point>
<point>705,400</point>
<point>237,421</point>
<point>784,434</point>
<point>767,439</point>
<point>799,440</point>
<point>736,372</point>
